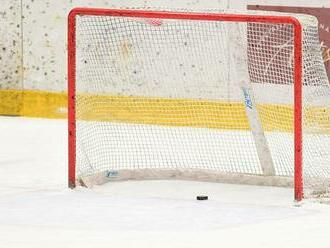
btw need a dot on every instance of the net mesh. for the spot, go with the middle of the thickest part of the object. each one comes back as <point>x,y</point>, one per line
<point>164,94</point>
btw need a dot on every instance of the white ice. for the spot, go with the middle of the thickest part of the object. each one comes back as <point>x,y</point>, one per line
<point>37,209</point>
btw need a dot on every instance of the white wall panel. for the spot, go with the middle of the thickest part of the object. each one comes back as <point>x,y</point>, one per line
<point>295,3</point>
<point>45,34</point>
<point>10,45</point>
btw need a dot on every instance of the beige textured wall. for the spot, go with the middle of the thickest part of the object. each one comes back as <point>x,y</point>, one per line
<point>42,53</point>
<point>10,45</point>
<point>44,37</point>
<point>295,3</point>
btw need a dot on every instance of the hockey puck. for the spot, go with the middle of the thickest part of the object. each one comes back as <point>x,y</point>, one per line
<point>202,197</point>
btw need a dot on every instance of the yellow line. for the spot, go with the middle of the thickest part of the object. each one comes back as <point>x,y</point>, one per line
<point>159,111</point>
<point>11,102</point>
<point>181,112</point>
<point>33,103</point>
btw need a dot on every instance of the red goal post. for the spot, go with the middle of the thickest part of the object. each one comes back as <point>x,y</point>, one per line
<point>212,17</point>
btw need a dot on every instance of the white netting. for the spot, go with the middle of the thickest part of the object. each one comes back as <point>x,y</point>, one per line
<point>164,95</point>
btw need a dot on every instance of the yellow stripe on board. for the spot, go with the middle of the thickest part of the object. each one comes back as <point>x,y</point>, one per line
<point>181,112</point>
<point>159,111</point>
<point>33,104</point>
<point>163,111</point>
<point>11,102</point>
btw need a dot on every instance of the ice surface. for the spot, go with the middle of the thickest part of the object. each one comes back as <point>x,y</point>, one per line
<point>37,210</point>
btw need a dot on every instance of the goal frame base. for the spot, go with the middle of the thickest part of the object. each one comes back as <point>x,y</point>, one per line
<point>189,175</point>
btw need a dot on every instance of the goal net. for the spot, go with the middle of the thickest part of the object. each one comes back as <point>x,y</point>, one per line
<point>218,96</point>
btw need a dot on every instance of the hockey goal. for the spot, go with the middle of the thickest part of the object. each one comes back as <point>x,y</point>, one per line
<point>218,96</point>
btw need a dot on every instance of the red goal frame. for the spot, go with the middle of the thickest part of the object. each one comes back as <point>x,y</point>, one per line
<point>298,166</point>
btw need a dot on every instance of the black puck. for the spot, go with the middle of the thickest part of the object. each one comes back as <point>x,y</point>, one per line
<point>202,197</point>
